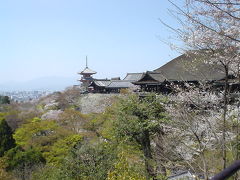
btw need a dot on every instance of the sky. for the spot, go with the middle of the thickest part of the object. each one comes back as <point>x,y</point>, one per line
<point>43,38</point>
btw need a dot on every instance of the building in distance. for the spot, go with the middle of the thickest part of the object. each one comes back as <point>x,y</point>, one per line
<point>86,78</point>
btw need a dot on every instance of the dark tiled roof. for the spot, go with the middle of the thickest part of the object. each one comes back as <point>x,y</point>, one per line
<point>116,78</point>
<point>101,82</point>
<point>157,76</point>
<point>87,71</point>
<point>132,77</point>
<point>191,67</point>
<point>112,83</point>
<point>151,77</point>
<point>120,84</point>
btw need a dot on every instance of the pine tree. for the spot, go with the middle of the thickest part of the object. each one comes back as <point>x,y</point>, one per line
<point>6,139</point>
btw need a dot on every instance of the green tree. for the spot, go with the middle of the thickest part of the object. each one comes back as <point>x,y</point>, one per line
<point>86,161</point>
<point>19,158</point>
<point>23,162</point>
<point>4,100</point>
<point>90,161</point>
<point>6,141</point>
<point>40,134</point>
<point>61,149</point>
<point>138,119</point>
<point>123,170</point>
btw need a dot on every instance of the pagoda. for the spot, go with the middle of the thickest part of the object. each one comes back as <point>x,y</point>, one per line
<point>86,78</point>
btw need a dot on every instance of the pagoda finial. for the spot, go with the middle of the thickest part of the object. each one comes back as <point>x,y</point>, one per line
<point>86,62</point>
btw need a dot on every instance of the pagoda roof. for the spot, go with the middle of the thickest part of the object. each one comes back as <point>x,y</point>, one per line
<point>88,71</point>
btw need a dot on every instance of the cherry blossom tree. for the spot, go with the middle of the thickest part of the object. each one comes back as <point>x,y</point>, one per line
<point>195,133</point>
<point>211,28</point>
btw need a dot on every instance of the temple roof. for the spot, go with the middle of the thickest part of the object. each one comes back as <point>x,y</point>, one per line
<point>101,83</point>
<point>87,71</point>
<point>112,83</point>
<point>151,77</point>
<point>132,77</point>
<point>120,84</point>
<point>187,67</point>
<point>191,67</point>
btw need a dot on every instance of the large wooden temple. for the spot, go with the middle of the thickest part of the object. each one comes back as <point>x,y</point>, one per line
<point>184,70</point>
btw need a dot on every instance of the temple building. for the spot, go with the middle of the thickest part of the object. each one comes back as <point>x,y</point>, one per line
<point>109,85</point>
<point>99,85</point>
<point>86,78</point>
<point>114,85</point>
<point>183,70</point>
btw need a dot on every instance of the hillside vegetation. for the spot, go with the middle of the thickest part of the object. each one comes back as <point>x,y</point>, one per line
<point>67,135</point>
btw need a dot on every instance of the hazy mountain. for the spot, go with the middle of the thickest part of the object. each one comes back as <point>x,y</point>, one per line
<point>44,83</point>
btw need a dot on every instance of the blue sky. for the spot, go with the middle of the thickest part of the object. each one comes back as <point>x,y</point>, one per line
<point>40,38</point>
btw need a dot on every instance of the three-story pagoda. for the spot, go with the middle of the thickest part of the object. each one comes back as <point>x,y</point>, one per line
<point>86,78</point>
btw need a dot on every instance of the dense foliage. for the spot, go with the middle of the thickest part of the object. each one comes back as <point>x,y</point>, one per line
<point>137,138</point>
<point>6,141</point>
<point>4,100</point>
<point>23,162</point>
<point>139,119</point>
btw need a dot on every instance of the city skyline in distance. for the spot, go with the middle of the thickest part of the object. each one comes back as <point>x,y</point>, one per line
<point>52,83</point>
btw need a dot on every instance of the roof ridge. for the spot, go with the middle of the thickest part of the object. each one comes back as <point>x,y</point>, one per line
<point>173,60</point>
<point>136,73</point>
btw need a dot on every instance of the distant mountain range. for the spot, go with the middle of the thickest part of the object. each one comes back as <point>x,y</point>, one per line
<point>43,84</point>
